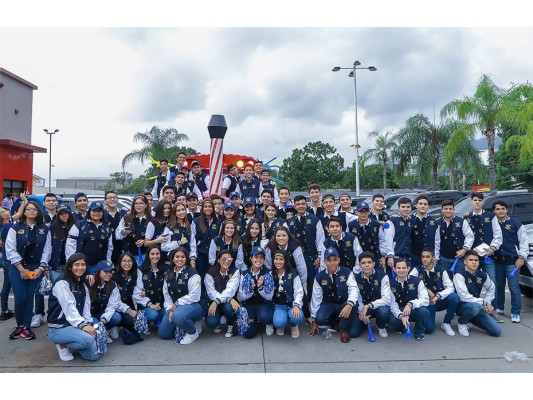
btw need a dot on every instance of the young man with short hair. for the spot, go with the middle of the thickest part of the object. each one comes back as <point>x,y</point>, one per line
<point>168,193</point>
<point>284,199</point>
<point>424,228</point>
<point>454,239</point>
<point>50,204</point>
<point>249,185</point>
<point>218,204</point>
<point>345,243</point>
<point>441,292</point>
<point>409,300</point>
<point>345,202</point>
<point>487,233</point>
<point>192,207</point>
<point>511,255</point>
<point>266,183</point>
<point>314,194</point>
<point>375,296</point>
<point>180,162</point>
<point>231,181</point>
<point>185,186</point>
<point>163,178</point>
<point>398,235</point>
<point>112,217</point>
<point>473,308</point>
<point>334,298</point>
<point>200,178</point>
<point>81,202</point>
<point>150,200</point>
<point>236,198</point>
<point>328,204</point>
<point>258,167</point>
<point>377,213</point>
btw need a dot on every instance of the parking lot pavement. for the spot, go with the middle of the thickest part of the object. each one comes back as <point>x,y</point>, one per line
<point>215,353</point>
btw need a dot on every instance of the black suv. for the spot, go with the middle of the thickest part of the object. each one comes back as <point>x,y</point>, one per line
<point>520,204</point>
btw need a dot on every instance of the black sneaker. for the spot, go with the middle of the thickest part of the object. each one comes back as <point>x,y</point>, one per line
<point>28,334</point>
<point>420,337</point>
<point>5,315</point>
<point>16,332</point>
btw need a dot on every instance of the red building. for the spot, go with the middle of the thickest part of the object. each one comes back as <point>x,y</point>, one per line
<point>16,150</point>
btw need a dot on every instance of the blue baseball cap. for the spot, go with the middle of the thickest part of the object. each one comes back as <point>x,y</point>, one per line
<point>248,200</point>
<point>289,208</point>
<point>104,265</point>
<point>63,207</point>
<point>363,206</point>
<point>234,194</point>
<point>230,204</point>
<point>257,250</point>
<point>97,204</point>
<point>330,251</point>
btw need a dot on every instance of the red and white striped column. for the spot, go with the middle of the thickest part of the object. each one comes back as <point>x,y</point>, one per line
<point>217,131</point>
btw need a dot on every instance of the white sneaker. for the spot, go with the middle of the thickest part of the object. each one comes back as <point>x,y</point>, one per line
<point>37,320</point>
<point>463,330</point>
<point>448,329</point>
<point>64,354</point>
<point>515,317</point>
<point>499,312</point>
<point>113,332</point>
<point>188,338</point>
<point>229,332</point>
<point>223,320</point>
<point>383,332</point>
<point>269,330</point>
<point>198,326</point>
<point>218,329</point>
<point>280,331</point>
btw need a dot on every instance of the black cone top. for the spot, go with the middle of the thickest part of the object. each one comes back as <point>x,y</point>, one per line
<point>217,127</point>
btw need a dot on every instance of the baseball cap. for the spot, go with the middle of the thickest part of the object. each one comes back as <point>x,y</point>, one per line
<point>362,206</point>
<point>248,200</point>
<point>104,265</point>
<point>97,204</point>
<point>230,204</point>
<point>257,250</point>
<point>331,251</point>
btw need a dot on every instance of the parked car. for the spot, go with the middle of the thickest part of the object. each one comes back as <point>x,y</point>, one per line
<point>394,207</point>
<point>124,202</point>
<point>38,198</point>
<point>520,204</point>
<point>526,272</point>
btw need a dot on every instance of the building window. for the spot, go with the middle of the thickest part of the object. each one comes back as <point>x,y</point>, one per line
<point>15,187</point>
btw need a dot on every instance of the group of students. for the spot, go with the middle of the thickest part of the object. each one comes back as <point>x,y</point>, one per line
<point>185,262</point>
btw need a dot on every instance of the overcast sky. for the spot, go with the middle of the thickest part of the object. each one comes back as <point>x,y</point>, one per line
<point>275,86</point>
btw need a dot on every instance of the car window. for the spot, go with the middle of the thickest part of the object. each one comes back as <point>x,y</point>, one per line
<point>522,209</point>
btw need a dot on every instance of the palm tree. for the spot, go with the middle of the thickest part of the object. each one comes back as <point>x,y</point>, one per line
<point>424,141</point>
<point>157,143</point>
<point>383,147</point>
<point>518,114</point>
<point>485,111</point>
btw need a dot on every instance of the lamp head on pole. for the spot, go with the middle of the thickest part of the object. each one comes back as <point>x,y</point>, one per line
<point>372,68</point>
<point>350,74</point>
<point>356,63</point>
<point>335,69</point>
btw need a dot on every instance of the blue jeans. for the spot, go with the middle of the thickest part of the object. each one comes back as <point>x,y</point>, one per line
<point>116,319</point>
<point>77,339</point>
<point>488,265</point>
<point>450,304</point>
<point>419,315</point>
<point>222,309</point>
<point>6,287</point>
<point>183,316</point>
<point>381,314</point>
<point>502,273</point>
<point>152,315</point>
<point>202,264</point>
<point>474,313</point>
<point>24,291</point>
<point>282,313</point>
<point>258,314</point>
<point>328,314</point>
<point>447,263</point>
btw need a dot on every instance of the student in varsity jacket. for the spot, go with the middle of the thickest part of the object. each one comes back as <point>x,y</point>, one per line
<point>375,296</point>
<point>50,205</point>
<point>441,292</point>
<point>250,211</point>
<point>249,184</point>
<point>28,248</point>
<point>192,207</point>
<point>256,298</point>
<point>424,229</point>
<point>164,177</point>
<point>345,204</point>
<point>91,237</point>
<point>308,230</point>
<point>328,203</point>
<point>128,279</point>
<point>183,303</point>
<point>398,235</point>
<point>266,183</point>
<point>511,256</point>
<point>157,225</point>
<point>81,202</point>
<point>59,231</point>
<point>69,312</point>
<point>409,301</point>
<point>315,207</point>
<point>235,198</point>
<point>201,179</point>
<point>473,308</point>
<point>334,299</point>
<point>203,229</point>
<point>222,283</point>
<point>346,244</point>
<point>288,295</point>
<point>369,233</point>
<point>487,231</point>
<point>132,228</point>
<point>378,205</point>
<point>149,295</point>
<point>106,304</point>
<point>181,185</point>
<point>230,213</point>
<point>228,239</point>
<point>112,216</point>
<point>177,233</point>
<point>267,198</point>
<point>252,237</point>
<point>454,239</point>
<point>271,221</point>
<point>231,181</point>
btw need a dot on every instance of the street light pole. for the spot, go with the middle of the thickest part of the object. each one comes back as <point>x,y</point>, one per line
<point>353,74</point>
<point>50,160</point>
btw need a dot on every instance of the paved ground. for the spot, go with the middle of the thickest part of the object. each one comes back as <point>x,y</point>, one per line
<point>215,353</point>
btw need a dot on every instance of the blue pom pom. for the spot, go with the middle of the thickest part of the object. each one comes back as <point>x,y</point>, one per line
<point>140,322</point>
<point>386,225</point>
<point>247,285</point>
<point>268,283</point>
<point>101,339</point>
<point>46,284</point>
<point>180,333</point>
<point>243,322</point>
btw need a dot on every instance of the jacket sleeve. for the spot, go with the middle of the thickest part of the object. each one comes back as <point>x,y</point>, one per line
<point>497,236</point>
<point>72,241</point>
<point>47,250</point>
<point>194,286</point>
<point>231,288</point>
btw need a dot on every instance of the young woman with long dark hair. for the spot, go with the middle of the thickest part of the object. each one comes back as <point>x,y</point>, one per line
<point>132,228</point>
<point>253,237</point>
<point>178,230</point>
<point>203,229</point>
<point>228,239</point>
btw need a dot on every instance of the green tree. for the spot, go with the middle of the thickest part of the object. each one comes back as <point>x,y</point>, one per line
<point>384,147</point>
<point>518,114</point>
<point>423,141</point>
<point>512,172</point>
<point>119,180</point>
<point>156,143</point>
<point>486,110</point>
<point>317,162</point>
<point>371,176</point>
